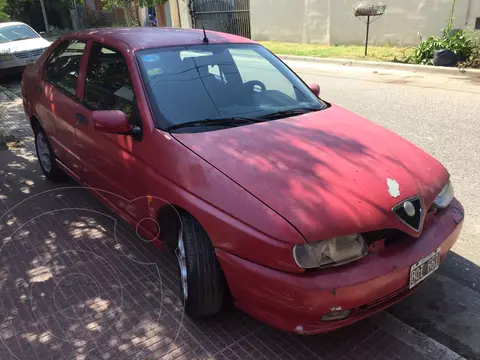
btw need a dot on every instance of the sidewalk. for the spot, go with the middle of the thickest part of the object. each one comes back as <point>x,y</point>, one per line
<point>13,125</point>
<point>78,283</point>
<point>475,73</point>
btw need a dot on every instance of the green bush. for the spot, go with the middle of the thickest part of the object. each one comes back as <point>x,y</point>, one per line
<point>3,15</point>
<point>461,43</point>
<point>473,61</point>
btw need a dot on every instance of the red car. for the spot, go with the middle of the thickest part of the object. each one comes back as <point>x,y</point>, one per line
<point>308,216</point>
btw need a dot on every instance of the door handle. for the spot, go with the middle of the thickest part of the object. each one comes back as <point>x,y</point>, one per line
<point>38,89</point>
<point>81,119</point>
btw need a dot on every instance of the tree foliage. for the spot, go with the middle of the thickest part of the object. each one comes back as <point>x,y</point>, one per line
<point>3,15</point>
<point>130,15</point>
<point>127,3</point>
<point>20,9</point>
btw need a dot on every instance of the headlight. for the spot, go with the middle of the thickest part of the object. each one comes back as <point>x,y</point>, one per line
<point>6,57</point>
<point>445,196</point>
<point>333,252</point>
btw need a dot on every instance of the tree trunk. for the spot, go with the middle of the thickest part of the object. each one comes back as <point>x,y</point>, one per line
<point>136,6</point>
<point>128,16</point>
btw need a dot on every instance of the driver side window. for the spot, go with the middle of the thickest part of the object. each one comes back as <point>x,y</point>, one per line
<point>108,85</point>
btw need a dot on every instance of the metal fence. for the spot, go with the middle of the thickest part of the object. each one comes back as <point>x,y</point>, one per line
<point>230,16</point>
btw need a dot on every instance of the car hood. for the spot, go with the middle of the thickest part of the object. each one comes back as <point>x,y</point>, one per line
<point>24,45</point>
<point>328,173</point>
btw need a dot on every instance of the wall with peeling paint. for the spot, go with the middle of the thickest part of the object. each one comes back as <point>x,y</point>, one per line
<point>332,21</point>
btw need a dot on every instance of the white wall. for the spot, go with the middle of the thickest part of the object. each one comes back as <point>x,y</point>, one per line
<point>290,20</point>
<point>473,14</point>
<point>400,24</point>
<point>332,21</point>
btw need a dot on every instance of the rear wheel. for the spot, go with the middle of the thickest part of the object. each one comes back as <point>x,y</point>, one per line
<point>46,157</point>
<point>202,281</point>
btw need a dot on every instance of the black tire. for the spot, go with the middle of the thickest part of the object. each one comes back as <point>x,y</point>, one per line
<point>205,279</point>
<point>53,173</point>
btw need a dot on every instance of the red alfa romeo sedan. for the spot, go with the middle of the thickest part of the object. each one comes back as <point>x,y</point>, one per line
<point>308,216</point>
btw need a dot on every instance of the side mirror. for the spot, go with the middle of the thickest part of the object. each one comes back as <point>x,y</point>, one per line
<point>315,88</point>
<point>111,121</point>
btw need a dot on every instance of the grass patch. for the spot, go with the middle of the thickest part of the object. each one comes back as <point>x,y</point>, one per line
<point>375,53</point>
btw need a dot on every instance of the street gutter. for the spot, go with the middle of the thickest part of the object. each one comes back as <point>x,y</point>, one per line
<point>386,65</point>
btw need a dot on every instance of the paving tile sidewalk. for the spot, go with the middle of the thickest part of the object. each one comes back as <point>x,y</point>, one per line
<point>13,123</point>
<point>77,283</point>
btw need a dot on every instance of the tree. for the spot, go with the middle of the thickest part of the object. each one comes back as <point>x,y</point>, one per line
<point>30,11</point>
<point>127,5</point>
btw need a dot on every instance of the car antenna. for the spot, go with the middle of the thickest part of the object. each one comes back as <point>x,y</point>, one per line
<point>205,38</point>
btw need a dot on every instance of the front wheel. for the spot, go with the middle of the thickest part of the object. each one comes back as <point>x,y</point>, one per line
<point>46,157</point>
<point>202,281</point>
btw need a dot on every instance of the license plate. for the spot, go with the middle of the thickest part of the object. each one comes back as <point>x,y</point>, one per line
<point>424,268</point>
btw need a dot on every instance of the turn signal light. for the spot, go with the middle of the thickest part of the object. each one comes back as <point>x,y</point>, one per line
<point>336,315</point>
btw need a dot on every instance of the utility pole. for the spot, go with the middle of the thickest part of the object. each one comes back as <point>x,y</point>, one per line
<point>45,20</point>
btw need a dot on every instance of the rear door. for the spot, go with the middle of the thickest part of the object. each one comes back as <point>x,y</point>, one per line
<point>59,85</point>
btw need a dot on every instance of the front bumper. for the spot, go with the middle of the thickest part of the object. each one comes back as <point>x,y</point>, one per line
<point>296,302</point>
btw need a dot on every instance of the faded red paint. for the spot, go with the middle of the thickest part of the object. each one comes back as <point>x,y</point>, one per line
<point>257,190</point>
<point>330,165</point>
<point>290,300</point>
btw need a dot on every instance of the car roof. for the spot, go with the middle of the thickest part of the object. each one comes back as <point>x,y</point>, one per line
<point>5,24</point>
<point>140,38</point>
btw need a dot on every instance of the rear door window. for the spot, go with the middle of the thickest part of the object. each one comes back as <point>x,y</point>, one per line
<point>63,65</point>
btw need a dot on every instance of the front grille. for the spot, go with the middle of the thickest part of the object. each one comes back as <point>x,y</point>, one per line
<point>410,212</point>
<point>29,54</point>
<point>389,236</point>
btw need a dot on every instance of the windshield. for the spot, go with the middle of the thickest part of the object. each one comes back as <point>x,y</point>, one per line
<point>193,83</point>
<point>16,32</point>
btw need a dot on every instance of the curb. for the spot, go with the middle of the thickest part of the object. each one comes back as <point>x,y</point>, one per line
<point>386,65</point>
<point>410,336</point>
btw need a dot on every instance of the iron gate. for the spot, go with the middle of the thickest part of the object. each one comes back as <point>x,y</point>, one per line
<point>230,16</point>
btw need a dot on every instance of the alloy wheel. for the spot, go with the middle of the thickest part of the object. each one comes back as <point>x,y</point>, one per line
<point>182,262</point>
<point>43,151</point>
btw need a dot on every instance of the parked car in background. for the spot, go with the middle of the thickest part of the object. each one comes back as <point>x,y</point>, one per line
<point>309,216</point>
<point>20,45</point>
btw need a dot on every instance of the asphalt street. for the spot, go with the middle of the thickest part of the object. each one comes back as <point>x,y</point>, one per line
<point>440,114</point>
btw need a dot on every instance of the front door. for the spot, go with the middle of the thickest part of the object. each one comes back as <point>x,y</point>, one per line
<point>111,162</point>
<point>60,90</point>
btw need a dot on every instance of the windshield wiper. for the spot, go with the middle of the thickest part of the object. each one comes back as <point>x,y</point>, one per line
<point>228,121</point>
<point>286,113</point>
